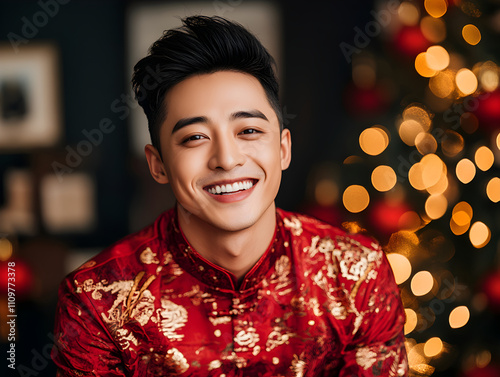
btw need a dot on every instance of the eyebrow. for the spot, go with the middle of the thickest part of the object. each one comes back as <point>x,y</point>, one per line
<point>202,119</point>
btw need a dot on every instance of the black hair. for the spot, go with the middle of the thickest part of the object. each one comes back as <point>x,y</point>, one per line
<point>202,45</point>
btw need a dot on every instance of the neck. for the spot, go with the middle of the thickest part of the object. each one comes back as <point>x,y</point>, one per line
<point>236,251</point>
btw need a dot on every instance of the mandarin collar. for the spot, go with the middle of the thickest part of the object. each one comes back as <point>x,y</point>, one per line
<point>215,276</point>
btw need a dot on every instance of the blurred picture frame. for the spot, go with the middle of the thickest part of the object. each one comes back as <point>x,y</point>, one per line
<point>30,108</point>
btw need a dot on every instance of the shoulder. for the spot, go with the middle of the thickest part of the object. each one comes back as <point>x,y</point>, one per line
<point>309,228</point>
<point>140,251</point>
<point>349,257</point>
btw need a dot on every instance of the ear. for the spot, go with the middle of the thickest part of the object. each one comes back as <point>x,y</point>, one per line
<point>286,149</point>
<point>156,167</point>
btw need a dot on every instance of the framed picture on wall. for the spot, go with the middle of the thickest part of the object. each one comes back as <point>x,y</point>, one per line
<point>30,109</point>
<point>147,21</point>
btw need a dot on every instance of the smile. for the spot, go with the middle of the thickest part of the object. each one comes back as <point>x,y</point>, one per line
<point>230,188</point>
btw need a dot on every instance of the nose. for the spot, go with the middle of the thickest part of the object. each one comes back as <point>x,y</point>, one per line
<point>226,154</point>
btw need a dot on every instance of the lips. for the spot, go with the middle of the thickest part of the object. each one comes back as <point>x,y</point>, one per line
<point>232,187</point>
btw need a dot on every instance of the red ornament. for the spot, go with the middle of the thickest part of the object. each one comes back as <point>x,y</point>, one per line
<point>18,274</point>
<point>410,41</point>
<point>491,288</point>
<point>366,102</point>
<point>487,371</point>
<point>385,216</point>
<point>488,111</point>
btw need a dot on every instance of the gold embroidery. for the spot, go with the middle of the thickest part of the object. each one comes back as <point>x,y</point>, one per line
<point>148,257</point>
<point>280,278</point>
<point>220,320</point>
<point>130,303</point>
<point>365,357</point>
<point>173,363</point>
<point>173,317</point>
<point>247,339</point>
<point>355,271</point>
<point>277,338</point>
<point>322,245</point>
<point>215,364</point>
<point>298,366</point>
<point>294,224</point>
<point>125,337</point>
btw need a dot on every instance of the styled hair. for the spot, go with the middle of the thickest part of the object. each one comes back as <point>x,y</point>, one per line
<point>202,45</point>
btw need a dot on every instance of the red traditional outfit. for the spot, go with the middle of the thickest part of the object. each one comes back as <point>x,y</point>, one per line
<point>319,302</point>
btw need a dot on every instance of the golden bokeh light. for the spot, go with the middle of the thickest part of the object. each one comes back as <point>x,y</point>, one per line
<point>411,321</point>
<point>459,317</point>
<point>433,347</point>
<point>443,84</point>
<point>418,360</point>
<point>440,187</point>
<point>469,122</point>
<point>432,169</point>
<point>484,158</point>
<point>498,141</point>
<point>466,81</point>
<point>5,249</point>
<point>418,114</point>
<point>352,160</point>
<point>326,192</point>
<point>425,143</point>
<point>373,141</point>
<point>408,131</point>
<point>452,143</point>
<point>355,198</point>
<point>422,67</point>
<point>436,8</point>
<point>435,206</point>
<point>433,29</point>
<point>403,242</point>
<point>415,177</point>
<point>408,13</point>
<point>465,170</point>
<point>489,80</point>
<point>383,178</point>
<point>462,214</point>
<point>422,283</point>
<point>483,358</point>
<point>437,58</point>
<point>410,220</point>
<point>479,234</point>
<point>493,189</point>
<point>401,267</point>
<point>471,34</point>
<point>488,75</point>
<point>457,229</point>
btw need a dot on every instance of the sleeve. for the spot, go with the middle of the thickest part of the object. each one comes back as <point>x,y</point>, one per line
<point>83,346</point>
<point>377,347</point>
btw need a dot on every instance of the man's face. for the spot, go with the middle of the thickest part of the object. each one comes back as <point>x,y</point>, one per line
<point>222,149</point>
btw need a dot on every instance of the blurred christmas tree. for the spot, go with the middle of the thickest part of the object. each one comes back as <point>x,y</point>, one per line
<point>426,179</point>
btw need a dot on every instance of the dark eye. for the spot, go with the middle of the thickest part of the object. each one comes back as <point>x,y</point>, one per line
<point>250,131</point>
<point>192,138</point>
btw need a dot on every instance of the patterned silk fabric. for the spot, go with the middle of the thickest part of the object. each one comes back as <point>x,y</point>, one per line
<point>319,302</point>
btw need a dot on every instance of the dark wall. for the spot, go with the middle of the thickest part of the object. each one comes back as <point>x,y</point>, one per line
<point>90,38</point>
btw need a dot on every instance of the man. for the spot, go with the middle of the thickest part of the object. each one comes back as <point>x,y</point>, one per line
<point>226,284</point>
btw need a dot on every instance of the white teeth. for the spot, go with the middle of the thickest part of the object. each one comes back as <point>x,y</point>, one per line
<point>230,188</point>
